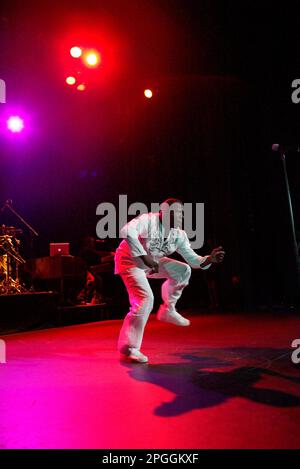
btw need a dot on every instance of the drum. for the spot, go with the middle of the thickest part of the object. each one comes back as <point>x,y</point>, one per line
<point>3,266</point>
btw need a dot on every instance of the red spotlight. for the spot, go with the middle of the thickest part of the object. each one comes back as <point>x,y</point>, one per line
<point>75,52</point>
<point>71,80</point>
<point>92,58</point>
<point>81,87</point>
<point>148,93</point>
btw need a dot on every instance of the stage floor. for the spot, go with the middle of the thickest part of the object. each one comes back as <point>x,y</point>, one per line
<point>227,381</point>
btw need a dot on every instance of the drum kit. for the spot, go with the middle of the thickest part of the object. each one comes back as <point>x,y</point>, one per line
<point>10,260</point>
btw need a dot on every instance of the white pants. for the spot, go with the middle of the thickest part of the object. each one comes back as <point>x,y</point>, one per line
<point>177,275</point>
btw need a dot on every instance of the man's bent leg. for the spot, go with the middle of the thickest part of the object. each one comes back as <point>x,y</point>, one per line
<point>177,276</point>
<point>141,304</point>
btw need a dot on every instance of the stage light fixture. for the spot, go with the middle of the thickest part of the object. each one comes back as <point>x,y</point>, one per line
<point>92,58</point>
<point>76,52</point>
<point>15,124</point>
<point>81,87</point>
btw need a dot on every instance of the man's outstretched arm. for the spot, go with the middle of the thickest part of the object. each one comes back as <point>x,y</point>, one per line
<point>196,261</point>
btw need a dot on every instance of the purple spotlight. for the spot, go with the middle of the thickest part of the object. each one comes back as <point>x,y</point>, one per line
<point>15,124</point>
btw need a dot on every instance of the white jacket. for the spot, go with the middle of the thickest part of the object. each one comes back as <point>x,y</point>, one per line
<point>145,235</point>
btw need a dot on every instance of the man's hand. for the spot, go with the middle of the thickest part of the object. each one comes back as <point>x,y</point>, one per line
<point>150,262</point>
<point>217,255</point>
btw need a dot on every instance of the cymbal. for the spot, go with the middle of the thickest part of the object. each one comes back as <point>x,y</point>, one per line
<point>10,230</point>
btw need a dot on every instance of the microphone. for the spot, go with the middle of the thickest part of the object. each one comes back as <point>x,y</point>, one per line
<point>276,147</point>
<point>285,148</point>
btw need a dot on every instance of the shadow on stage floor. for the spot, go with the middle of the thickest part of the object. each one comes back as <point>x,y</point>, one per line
<point>227,381</point>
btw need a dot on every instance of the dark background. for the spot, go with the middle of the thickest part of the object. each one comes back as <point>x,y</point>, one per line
<point>222,74</point>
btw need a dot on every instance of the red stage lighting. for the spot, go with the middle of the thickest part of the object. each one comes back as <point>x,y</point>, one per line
<point>81,87</point>
<point>92,58</point>
<point>76,52</point>
<point>148,93</point>
<point>15,124</point>
<point>71,80</point>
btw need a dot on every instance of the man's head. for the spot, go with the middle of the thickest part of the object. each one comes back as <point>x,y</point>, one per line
<point>171,213</point>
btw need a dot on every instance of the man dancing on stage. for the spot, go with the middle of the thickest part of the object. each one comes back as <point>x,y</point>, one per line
<point>149,238</point>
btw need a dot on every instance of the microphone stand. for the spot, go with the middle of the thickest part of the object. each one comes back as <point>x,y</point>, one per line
<point>292,223</point>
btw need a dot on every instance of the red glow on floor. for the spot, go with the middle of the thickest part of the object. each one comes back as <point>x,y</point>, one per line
<point>223,382</point>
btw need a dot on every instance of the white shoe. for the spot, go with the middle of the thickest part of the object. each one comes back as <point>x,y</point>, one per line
<point>136,356</point>
<point>172,316</point>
